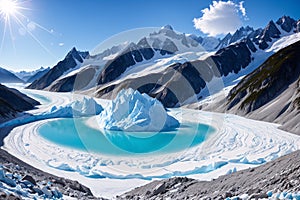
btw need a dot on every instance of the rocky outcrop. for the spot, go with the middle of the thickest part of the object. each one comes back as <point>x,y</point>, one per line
<point>13,101</point>
<point>286,23</point>
<point>232,58</point>
<point>269,33</point>
<point>264,181</point>
<point>31,183</point>
<point>69,62</point>
<point>271,92</point>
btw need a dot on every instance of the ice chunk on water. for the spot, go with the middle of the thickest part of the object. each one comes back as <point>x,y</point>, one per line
<point>133,111</point>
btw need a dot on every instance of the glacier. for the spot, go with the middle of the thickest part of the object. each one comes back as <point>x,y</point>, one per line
<point>132,111</point>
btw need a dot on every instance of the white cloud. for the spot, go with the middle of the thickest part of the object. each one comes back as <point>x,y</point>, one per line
<point>220,18</point>
<point>242,8</point>
<point>61,44</point>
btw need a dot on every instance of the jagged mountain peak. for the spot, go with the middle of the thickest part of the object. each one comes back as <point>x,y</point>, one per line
<point>286,23</point>
<point>168,27</point>
<point>238,35</point>
<point>78,55</point>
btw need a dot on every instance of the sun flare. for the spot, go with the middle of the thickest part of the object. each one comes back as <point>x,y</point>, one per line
<point>8,8</point>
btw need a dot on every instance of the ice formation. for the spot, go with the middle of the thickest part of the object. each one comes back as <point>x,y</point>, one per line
<point>86,107</point>
<point>133,111</point>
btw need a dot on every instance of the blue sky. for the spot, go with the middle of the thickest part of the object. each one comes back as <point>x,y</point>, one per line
<point>58,25</point>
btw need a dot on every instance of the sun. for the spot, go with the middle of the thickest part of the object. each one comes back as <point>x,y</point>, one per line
<point>15,21</point>
<point>8,8</point>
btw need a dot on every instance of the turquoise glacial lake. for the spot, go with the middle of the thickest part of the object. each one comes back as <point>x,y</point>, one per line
<point>74,133</point>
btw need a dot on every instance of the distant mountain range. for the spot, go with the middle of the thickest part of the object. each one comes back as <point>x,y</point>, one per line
<point>22,76</point>
<point>172,67</point>
<point>30,76</point>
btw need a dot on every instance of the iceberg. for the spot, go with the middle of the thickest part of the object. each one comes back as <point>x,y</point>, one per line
<point>84,108</point>
<point>135,112</point>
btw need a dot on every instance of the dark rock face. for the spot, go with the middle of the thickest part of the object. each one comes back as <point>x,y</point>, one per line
<point>116,67</point>
<point>68,63</point>
<point>166,86</point>
<point>271,31</point>
<point>13,101</point>
<point>75,82</point>
<point>145,49</point>
<point>268,81</point>
<point>133,54</point>
<point>232,58</point>
<point>286,23</point>
<point>250,44</point>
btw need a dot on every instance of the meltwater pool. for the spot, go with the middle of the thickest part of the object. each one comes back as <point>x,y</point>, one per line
<point>75,133</point>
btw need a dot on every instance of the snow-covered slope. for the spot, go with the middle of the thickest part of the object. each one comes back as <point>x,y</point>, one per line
<point>271,92</point>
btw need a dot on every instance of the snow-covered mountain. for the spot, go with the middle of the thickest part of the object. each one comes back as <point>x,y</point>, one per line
<point>30,76</point>
<point>72,60</point>
<point>163,44</point>
<point>271,92</point>
<point>180,82</point>
<point>237,36</point>
<point>172,67</point>
<point>8,77</point>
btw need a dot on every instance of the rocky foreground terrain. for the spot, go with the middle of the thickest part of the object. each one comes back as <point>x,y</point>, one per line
<point>278,179</point>
<point>19,180</point>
